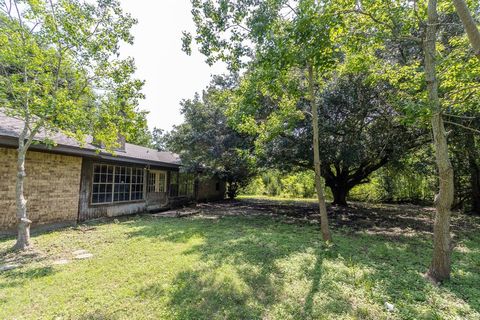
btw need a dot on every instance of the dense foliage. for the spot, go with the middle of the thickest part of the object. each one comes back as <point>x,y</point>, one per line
<point>291,52</point>
<point>360,131</point>
<point>206,143</point>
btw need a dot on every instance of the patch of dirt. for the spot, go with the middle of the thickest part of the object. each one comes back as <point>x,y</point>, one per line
<point>23,257</point>
<point>387,219</point>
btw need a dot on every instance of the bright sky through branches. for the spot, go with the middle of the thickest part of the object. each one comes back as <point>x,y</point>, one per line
<point>170,74</point>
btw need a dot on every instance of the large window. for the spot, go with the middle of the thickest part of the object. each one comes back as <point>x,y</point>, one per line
<point>157,181</point>
<point>116,184</point>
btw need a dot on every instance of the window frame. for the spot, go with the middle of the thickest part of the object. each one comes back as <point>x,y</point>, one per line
<point>186,184</point>
<point>133,172</point>
<point>156,185</point>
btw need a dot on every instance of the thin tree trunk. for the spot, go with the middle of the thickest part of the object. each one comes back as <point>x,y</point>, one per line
<point>23,236</point>
<point>316,159</point>
<point>469,24</point>
<point>441,265</point>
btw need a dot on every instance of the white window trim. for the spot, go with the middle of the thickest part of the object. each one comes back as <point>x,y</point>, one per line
<point>157,174</point>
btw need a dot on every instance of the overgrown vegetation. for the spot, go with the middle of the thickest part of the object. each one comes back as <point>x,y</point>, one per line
<point>294,58</point>
<point>409,180</point>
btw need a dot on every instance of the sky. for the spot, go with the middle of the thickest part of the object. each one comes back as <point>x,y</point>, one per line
<point>170,74</point>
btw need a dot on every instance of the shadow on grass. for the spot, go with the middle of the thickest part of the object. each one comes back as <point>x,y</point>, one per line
<point>241,277</point>
<point>466,271</point>
<point>316,276</point>
<point>21,276</point>
<point>29,274</point>
<point>242,270</point>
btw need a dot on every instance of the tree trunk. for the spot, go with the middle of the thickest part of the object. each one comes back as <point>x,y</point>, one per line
<point>232,190</point>
<point>316,160</point>
<point>339,196</point>
<point>23,236</point>
<point>474,173</point>
<point>469,24</point>
<point>440,266</point>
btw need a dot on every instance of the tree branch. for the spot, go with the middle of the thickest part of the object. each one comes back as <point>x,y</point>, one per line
<point>462,126</point>
<point>469,25</point>
<point>458,116</point>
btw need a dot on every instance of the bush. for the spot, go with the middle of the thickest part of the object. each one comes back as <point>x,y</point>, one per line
<point>274,183</point>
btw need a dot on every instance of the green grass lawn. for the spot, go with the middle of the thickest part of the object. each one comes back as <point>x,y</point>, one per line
<point>234,267</point>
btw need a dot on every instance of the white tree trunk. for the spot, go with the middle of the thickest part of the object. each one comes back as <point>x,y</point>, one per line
<point>23,235</point>
<point>469,24</point>
<point>441,264</point>
<point>316,159</point>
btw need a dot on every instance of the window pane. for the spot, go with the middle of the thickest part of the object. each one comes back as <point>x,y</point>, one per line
<point>151,182</point>
<point>102,183</point>
<point>117,183</point>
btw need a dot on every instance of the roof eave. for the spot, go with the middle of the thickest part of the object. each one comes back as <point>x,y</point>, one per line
<point>9,141</point>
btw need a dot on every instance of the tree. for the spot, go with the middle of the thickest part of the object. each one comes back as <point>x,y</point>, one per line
<point>360,132</point>
<point>281,38</point>
<point>206,142</point>
<point>414,29</point>
<point>474,168</point>
<point>469,24</point>
<point>59,72</point>
<point>140,134</point>
<point>441,264</point>
<point>466,164</point>
<point>159,139</point>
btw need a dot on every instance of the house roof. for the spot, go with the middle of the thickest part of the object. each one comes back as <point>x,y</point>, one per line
<point>10,129</point>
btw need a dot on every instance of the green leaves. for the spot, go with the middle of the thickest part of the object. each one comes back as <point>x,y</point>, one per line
<point>59,65</point>
<point>207,142</point>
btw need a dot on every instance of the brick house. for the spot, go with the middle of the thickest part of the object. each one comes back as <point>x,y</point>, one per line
<point>71,182</point>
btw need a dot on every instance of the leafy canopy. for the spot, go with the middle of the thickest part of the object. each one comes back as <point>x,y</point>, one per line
<point>59,67</point>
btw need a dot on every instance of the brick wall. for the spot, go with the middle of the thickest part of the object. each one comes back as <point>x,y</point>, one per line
<point>51,187</point>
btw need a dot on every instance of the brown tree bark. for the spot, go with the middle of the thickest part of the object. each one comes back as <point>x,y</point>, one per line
<point>316,160</point>
<point>469,25</point>
<point>441,264</point>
